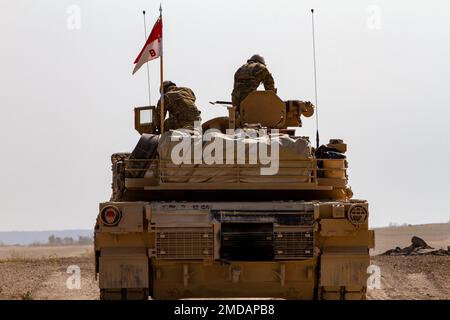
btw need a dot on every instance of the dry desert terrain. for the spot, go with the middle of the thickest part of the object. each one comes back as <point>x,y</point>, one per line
<point>40,272</point>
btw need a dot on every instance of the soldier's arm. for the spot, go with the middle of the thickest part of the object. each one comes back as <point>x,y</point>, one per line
<point>157,116</point>
<point>269,83</point>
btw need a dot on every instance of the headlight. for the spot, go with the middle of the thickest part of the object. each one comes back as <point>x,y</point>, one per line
<point>111,216</point>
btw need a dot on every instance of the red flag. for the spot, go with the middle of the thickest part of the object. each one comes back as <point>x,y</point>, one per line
<point>152,48</point>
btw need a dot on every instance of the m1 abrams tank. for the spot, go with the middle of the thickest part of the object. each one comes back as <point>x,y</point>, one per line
<point>197,230</point>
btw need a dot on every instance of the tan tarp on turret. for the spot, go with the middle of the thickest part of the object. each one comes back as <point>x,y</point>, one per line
<point>293,151</point>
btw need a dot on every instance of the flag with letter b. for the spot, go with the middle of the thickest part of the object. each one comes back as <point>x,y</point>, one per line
<point>152,48</point>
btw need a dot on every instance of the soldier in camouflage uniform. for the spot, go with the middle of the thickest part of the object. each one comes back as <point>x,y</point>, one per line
<point>248,78</point>
<point>180,103</point>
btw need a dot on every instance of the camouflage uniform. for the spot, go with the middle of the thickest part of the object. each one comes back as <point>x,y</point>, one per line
<point>248,78</point>
<point>180,103</point>
<point>118,183</point>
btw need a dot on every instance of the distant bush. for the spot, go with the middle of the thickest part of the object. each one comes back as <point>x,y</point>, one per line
<point>85,240</point>
<point>36,244</point>
<point>69,241</point>
<point>397,225</point>
<point>393,224</point>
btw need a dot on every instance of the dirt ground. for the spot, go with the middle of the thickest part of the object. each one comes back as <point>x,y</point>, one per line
<point>38,252</point>
<point>412,278</point>
<point>45,279</point>
<point>41,272</point>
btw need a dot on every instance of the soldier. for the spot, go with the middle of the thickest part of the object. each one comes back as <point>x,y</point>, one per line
<point>248,78</point>
<point>180,103</point>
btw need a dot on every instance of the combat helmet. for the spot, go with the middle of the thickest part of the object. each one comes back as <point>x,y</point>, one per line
<point>167,85</point>
<point>257,58</point>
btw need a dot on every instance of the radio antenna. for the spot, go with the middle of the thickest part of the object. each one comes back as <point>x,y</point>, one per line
<point>148,68</point>
<point>315,78</point>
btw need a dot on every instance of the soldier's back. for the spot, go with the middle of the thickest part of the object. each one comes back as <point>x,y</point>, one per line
<point>180,93</point>
<point>250,73</point>
<point>246,80</point>
<point>181,105</point>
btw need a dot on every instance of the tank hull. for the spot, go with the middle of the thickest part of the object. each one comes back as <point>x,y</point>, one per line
<point>284,249</point>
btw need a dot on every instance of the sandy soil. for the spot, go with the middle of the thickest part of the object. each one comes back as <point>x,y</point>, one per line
<point>24,252</point>
<point>412,278</point>
<point>45,279</point>
<point>416,277</point>
<point>40,272</point>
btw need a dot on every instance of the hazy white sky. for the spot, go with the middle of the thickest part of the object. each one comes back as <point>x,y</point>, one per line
<point>67,96</point>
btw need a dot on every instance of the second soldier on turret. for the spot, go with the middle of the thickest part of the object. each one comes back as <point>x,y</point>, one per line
<point>249,77</point>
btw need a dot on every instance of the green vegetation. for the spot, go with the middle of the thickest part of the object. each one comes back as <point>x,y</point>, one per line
<point>68,241</point>
<point>26,296</point>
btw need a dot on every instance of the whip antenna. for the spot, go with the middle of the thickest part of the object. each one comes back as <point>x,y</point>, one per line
<point>148,68</point>
<point>315,78</point>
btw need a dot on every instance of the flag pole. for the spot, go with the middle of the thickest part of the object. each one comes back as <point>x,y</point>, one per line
<point>162,76</point>
<point>148,68</point>
<point>315,78</point>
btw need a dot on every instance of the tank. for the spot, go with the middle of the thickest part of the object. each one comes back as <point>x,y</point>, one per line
<point>199,228</point>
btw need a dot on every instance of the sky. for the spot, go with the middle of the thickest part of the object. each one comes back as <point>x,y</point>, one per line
<point>67,94</point>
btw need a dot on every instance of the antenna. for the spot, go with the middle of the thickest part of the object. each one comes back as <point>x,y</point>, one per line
<point>148,68</point>
<point>315,78</point>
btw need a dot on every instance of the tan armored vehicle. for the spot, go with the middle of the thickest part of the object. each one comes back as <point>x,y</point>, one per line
<point>225,229</point>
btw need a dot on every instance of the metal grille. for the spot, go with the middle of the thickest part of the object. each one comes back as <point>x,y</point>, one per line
<point>247,241</point>
<point>304,218</point>
<point>183,244</point>
<point>294,245</point>
<point>238,239</point>
<point>247,246</point>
